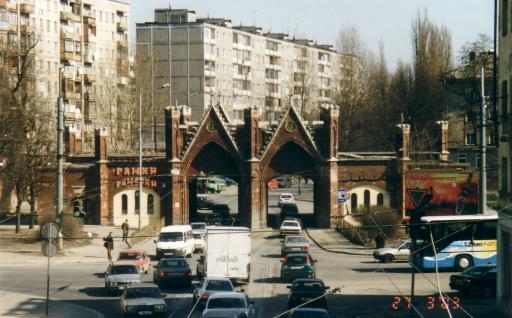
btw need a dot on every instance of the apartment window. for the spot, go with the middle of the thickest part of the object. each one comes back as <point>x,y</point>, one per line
<point>137,202</point>
<point>48,26</point>
<point>504,175</point>
<point>113,38</point>
<point>272,46</point>
<point>504,108</point>
<point>209,33</point>
<point>462,158</point>
<point>101,16</point>
<point>49,66</point>
<point>55,28</point>
<point>504,18</point>
<point>235,38</point>
<point>470,139</point>
<point>353,203</point>
<point>112,17</point>
<point>478,160</point>
<point>69,46</point>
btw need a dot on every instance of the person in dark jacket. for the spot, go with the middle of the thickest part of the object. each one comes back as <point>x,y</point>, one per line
<point>109,245</point>
<point>379,241</point>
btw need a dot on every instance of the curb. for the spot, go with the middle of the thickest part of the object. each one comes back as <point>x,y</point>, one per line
<point>334,251</point>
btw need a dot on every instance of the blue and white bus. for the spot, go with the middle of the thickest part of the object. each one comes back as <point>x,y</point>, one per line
<point>461,241</point>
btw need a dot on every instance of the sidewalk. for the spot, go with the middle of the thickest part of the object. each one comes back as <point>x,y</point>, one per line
<point>14,305</point>
<point>331,240</point>
<point>94,252</point>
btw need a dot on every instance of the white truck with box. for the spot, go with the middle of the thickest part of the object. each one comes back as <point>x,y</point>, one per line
<point>227,253</point>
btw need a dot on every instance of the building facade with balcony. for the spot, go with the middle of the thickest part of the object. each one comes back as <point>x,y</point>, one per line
<point>210,61</point>
<point>81,54</point>
<point>504,293</point>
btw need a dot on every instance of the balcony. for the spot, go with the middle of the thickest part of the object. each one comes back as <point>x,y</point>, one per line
<point>323,62</point>
<point>122,44</point>
<point>24,28</point>
<point>209,73</point>
<point>90,38</point>
<point>242,92</point>
<point>90,20</point>
<point>71,95</point>
<point>209,56</point>
<point>26,8</point>
<point>90,110</point>
<point>89,58</point>
<point>273,80</point>
<point>69,35</point>
<point>122,80</point>
<point>67,56</point>
<point>121,27</point>
<point>273,94</point>
<point>209,89</point>
<point>209,40</point>
<point>272,52</point>
<point>241,46</point>
<point>66,15</point>
<point>89,78</point>
<point>273,67</point>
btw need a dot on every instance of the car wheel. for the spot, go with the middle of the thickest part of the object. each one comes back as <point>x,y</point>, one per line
<point>463,262</point>
<point>389,258</point>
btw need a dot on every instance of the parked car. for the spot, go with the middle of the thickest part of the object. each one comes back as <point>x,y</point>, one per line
<point>309,313</point>
<point>222,209</point>
<point>213,219</point>
<point>284,182</point>
<point>235,303</point>
<point>144,300</point>
<point>477,279</point>
<point>396,252</point>
<point>294,243</point>
<point>137,256</point>
<point>285,198</point>
<point>289,210</point>
<point>298,265</point>
<point>118,275</point>
<point>172,270</point>
<point>289,227</point>
<point>204,202</point>
<point>224,313</point>
<point>210,285</point>
<point>210,184</point>
<point>305,290</point>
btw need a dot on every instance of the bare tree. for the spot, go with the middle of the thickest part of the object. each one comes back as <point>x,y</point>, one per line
<point>26,142</point>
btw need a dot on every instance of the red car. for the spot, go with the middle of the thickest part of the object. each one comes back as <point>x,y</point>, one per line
<point>137,257</point>
<point>272,184</point>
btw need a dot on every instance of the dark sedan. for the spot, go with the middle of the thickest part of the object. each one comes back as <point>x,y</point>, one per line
<point>477,279</point>
<point>172,270</point>
<point>309,313</point>
<point>307,291</point>
<point>204,202</point>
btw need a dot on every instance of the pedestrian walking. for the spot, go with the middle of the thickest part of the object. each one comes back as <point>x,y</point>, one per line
<point>379,241</point>
<point>125,228</point>
<point>109,245</point>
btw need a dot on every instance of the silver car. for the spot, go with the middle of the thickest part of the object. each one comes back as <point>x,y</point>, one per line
<point>143,300</point>
<point>210,285</point>
<point>396,252</point>
<point>294,243</point>
<point>235,303</point>
<point>120,274</point>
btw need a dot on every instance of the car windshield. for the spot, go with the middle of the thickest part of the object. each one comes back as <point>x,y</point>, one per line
<point>124,269</point>
<point>198,226</point>
<point>296,259</point>
<point>309,314</point>
<point>290,223</point>
<point>286,196</point>
<point>145,292</point>
<point>130,256</point>
<point>173,263</point>
<point>313,287</point>
<point>219,285</point>
<point>226,303</point>
<point>479,270</point>
<point>198,236</point>
<point>171,237</point>
<point>396,245</point>
<point>296,239</point>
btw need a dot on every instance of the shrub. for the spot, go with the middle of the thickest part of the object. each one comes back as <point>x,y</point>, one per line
<point>72,227</point>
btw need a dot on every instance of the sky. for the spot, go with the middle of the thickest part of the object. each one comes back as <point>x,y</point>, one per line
<point>386,21</point>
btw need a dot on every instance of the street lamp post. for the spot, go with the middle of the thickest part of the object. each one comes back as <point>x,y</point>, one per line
<point>140,159</point>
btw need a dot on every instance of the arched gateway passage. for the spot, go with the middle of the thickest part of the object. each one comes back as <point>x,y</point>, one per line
<point>250,153</point>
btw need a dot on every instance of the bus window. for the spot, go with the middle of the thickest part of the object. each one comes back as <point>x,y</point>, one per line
<point>485,231</point>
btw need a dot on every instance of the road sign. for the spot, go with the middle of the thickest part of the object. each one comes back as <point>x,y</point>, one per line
<point>50,230</point>
<point>342,195</point>
<point>49,249</point>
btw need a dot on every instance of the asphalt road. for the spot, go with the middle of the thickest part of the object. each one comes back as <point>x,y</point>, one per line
<point>367,288</point>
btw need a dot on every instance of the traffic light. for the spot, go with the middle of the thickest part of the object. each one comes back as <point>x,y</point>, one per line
<point>78,208</point>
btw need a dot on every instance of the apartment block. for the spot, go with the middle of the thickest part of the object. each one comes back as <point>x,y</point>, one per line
<point>504,157</point>
<point>81,54</point>
<point>187,60</point>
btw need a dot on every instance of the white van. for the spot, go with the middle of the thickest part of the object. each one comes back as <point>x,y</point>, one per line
<point>175,240</point>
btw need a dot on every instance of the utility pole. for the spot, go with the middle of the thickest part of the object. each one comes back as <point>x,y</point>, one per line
<point>483,143</point>
<point>60,155</point>
<point>140,159</point>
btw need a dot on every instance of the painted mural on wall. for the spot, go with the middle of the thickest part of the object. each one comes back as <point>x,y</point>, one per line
<point>442,192</point>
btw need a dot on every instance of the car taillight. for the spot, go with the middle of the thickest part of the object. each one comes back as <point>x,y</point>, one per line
<point>307,260</point>
<point>189,274</point>
<point>162,274</point>
<point>204,296</point>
